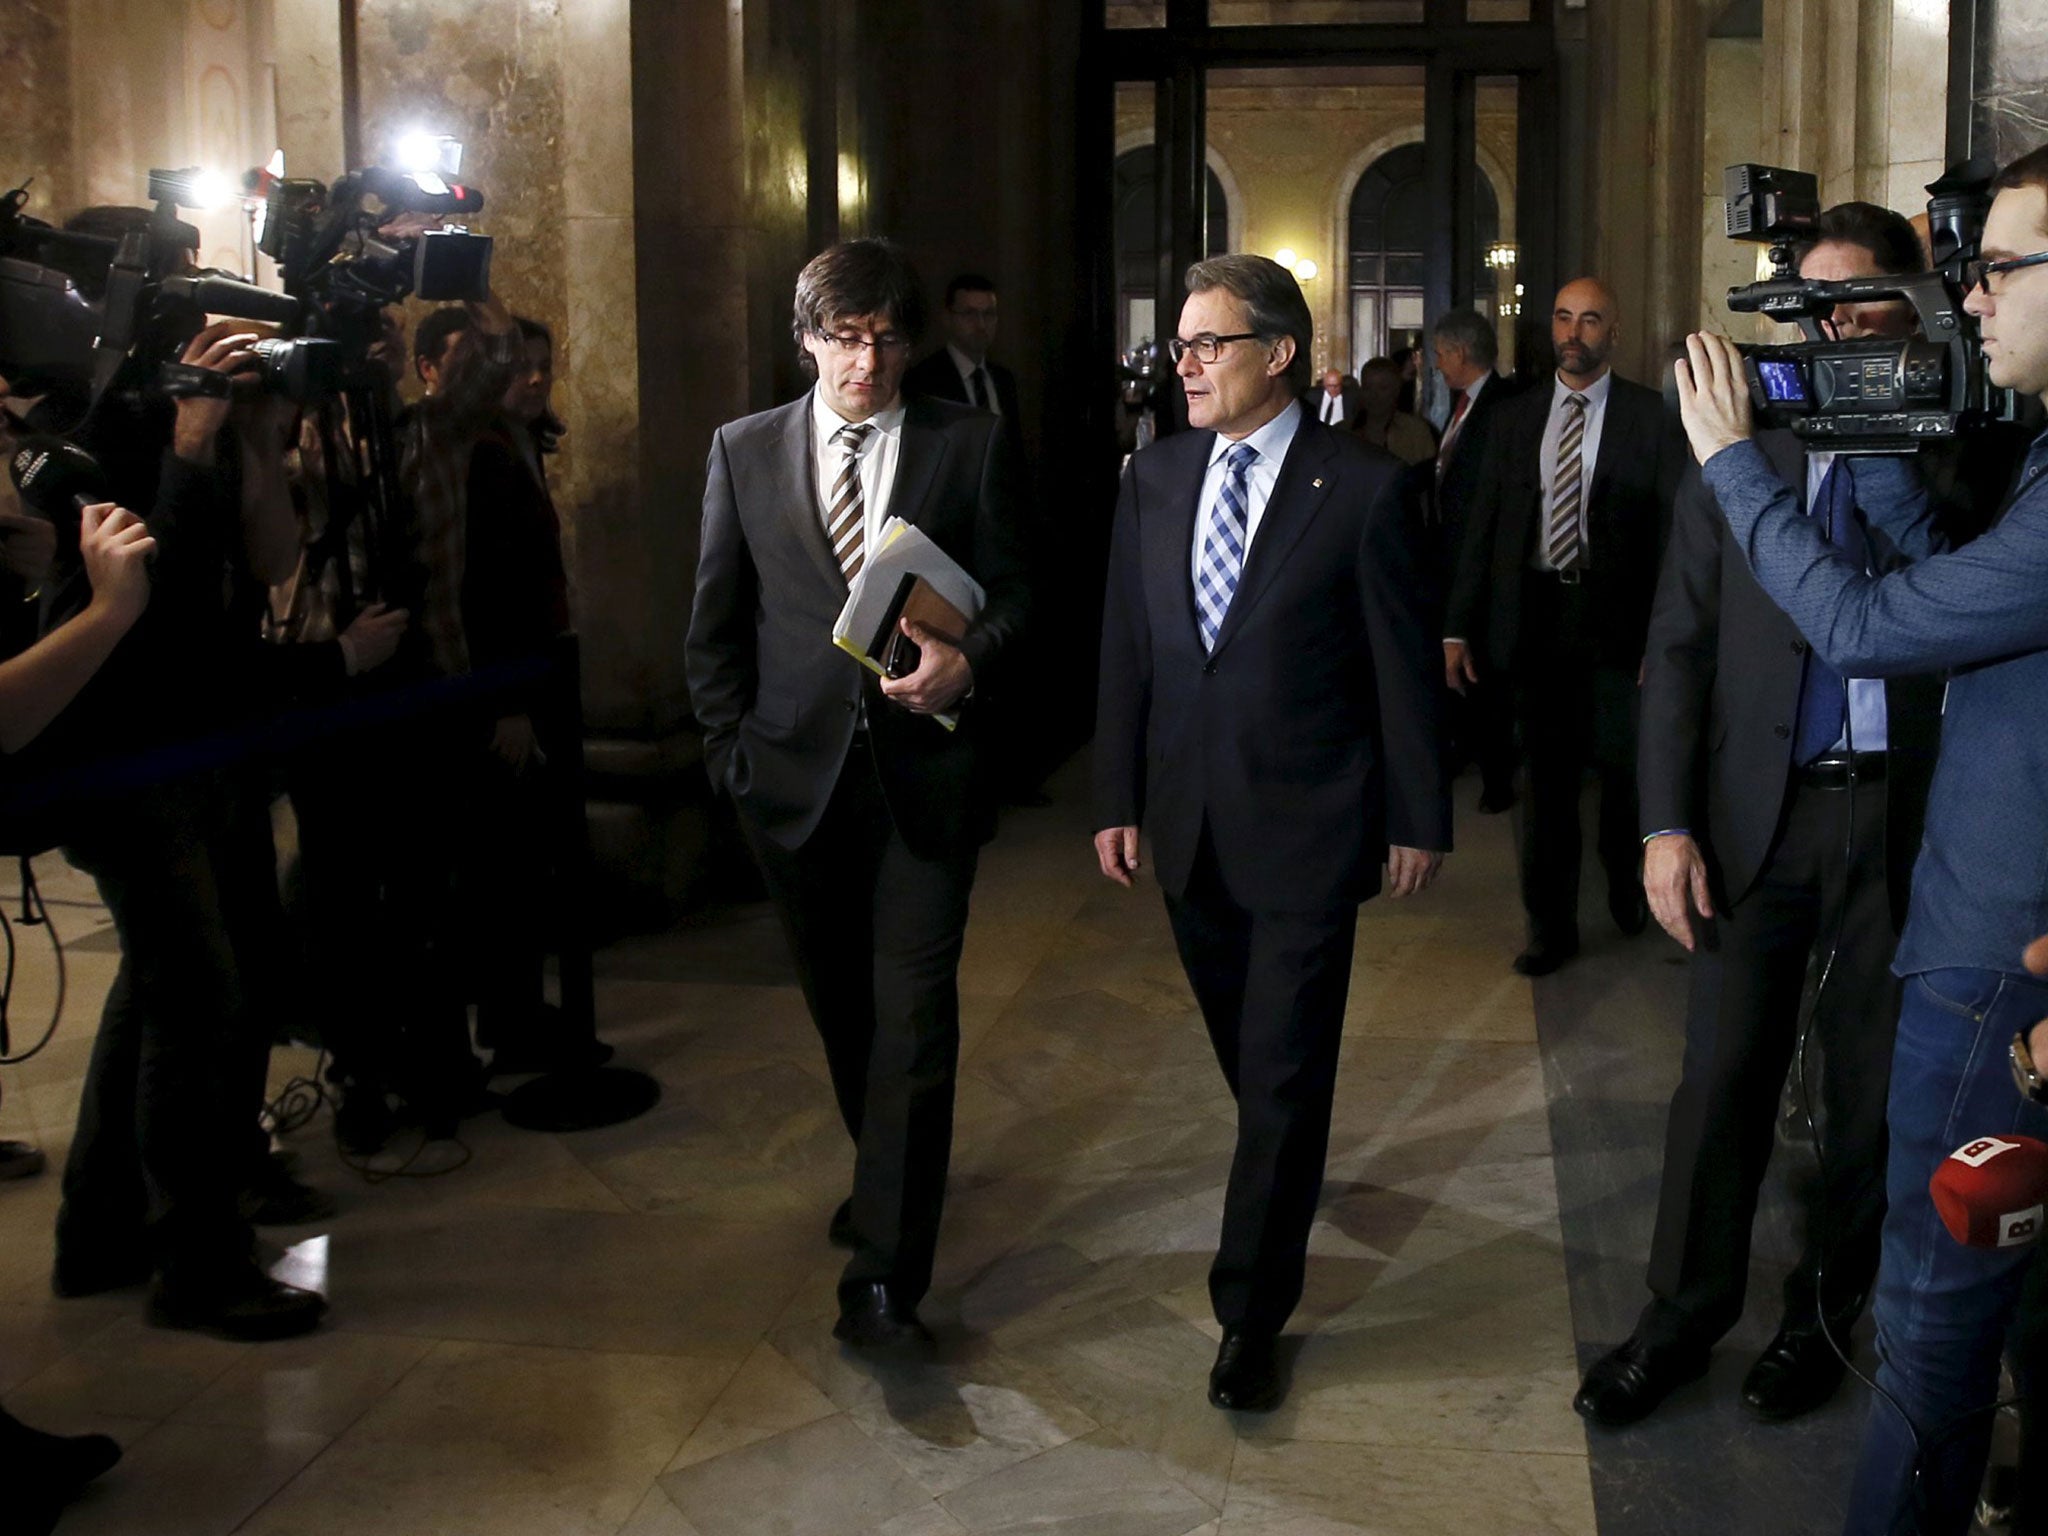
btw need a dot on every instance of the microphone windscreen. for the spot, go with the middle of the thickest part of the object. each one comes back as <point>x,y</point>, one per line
<point>1991,1193</point>
<point>52,474</point>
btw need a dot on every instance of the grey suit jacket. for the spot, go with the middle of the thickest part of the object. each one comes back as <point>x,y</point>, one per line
<point>778,702</point>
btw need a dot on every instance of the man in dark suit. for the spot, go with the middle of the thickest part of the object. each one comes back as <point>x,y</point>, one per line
<point>1333,399</point>
<point>1553,590</point>
<point>866,815</point>
<point>1482,720</point>
<point>961,369</point>
<point>1270,713</point>
<point>1783,808</point>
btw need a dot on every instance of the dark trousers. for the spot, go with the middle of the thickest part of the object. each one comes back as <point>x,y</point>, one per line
<point>375,864</point>
<point>1483,733</point>
<point>1816,892</point>
<point>876,931</point>
<point>1272,987</point>
<point>1573,711</point>
<point>164,1118</point>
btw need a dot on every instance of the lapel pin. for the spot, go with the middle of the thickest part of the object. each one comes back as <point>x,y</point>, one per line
<point>1319,485</point>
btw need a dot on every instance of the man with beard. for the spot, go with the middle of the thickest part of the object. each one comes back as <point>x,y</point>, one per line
<point>1553,589</point>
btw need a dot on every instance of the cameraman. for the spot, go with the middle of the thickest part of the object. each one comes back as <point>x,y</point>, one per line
<point>160,820</point>
<point>1980,886</point>
<point>1763,847</point>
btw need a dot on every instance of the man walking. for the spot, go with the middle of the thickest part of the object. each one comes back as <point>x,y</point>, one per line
<point>1270,712</point>
<point>865,813</point>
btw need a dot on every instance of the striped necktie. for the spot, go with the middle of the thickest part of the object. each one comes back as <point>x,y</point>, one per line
<point>846,522</point>
<point>1223,542</point>
<point>1564,543</point>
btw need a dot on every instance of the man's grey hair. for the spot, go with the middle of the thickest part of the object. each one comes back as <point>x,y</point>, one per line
<point>1272,302</point>
<point>1470,331</point>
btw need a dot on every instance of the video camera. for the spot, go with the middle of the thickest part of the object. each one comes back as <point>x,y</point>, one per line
<point>82,314</point>
<point>1864,396</point>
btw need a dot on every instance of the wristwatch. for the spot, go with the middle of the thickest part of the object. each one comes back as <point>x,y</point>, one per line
<point>2025,1075</point>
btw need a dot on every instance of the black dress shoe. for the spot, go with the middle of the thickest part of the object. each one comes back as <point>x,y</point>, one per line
<point>1544,956</point>
<point>1246,1375</point>
<point>842,1233</point>
<point>1630,910</point>
<point>1493,801</point>
<point>58,1465</point>
<point>1797,1372</point>
<point>1630,1380</point>
<point>275,1199</point>
<point>240,1303</point>
<point>871,1318</point>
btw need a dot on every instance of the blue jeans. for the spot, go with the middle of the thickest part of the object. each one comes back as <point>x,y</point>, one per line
<point>1941,1308</point>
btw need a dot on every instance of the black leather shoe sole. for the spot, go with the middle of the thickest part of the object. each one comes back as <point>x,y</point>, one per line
<point>282,1313</point>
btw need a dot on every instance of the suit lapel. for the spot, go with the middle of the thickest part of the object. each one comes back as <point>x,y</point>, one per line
<point>1304,482</point>
<point>796,489</point>
<point>1181,494</point>
<point>1620,424</point>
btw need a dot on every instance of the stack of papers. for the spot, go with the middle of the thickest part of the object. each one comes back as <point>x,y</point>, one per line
<point>903,562</point>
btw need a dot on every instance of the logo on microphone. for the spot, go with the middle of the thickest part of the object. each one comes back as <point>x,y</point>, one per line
<point>2019,1227</point>
<point>1981,1151</point>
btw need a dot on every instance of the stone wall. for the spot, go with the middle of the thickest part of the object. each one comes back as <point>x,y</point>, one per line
<point>35,130</point>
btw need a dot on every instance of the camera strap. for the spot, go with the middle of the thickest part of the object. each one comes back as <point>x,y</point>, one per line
<point>182,381</point>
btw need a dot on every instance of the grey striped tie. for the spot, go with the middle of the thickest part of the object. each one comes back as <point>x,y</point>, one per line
<point>846,522</point>
<point>1564,544</point>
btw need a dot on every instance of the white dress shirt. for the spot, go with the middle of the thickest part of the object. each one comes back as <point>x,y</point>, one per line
<point>1589,456</point>
<point>1329,407</point>
<point>1271,443</point>
<point>967,367</point>
<point>1869,726</point>
<point>878,455</point>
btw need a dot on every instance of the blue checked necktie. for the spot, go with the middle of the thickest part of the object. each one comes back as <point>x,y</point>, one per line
<point>1223,540</point>
<point>1823,696</point>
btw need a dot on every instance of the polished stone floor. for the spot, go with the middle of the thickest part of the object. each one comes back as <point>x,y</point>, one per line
<point>625,1333</point>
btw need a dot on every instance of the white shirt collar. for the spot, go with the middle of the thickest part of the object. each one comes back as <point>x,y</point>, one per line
<point>1595,392</point>
<point>1270,441</point>
<point>962,363</point>
<point>827,421</point>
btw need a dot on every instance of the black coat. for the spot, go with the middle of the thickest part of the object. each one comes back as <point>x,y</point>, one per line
<point>1628,516</point>
<point>1457,487</point>
<point>776,699</point>
<point>1721,701</point>
<point>936,377</point>
<point>1310,739</point>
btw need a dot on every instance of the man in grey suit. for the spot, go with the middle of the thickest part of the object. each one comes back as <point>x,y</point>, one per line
<point>866,815</point>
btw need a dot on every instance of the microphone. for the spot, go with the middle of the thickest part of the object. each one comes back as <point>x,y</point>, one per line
<point>57,478</point>
<point>1991,1192</point>
<point>230,296</point>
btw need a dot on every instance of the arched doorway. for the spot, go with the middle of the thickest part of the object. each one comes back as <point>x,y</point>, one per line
<point>1137,241</point>
<point>1390,218</point>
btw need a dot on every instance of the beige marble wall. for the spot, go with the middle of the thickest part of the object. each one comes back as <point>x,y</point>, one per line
<point>35,130</point>
<point>306,54</point>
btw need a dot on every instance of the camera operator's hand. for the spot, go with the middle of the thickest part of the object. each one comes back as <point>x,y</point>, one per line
<point>222,347</point>
<point>114,546</point>
<point>373,638</point>
<point>513,742</point>
<point>1713,396</point>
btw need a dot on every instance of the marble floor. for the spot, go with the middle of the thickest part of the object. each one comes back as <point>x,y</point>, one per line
<point>625,1332</point>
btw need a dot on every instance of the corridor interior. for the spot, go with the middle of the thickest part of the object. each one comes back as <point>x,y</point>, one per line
<point>626,1332</point>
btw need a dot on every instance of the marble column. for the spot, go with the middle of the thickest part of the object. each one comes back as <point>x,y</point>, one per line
<point>35,130</point>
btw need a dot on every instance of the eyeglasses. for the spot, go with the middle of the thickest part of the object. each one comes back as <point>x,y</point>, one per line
<point>1206,348</point>
<point>1978,274</point>
<point>849,346</point>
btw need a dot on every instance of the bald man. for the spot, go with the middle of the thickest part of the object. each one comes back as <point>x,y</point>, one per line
<point>1552,592</point>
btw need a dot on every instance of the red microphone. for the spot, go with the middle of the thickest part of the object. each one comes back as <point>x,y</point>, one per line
<point>1991,1193</point>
